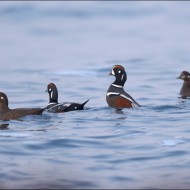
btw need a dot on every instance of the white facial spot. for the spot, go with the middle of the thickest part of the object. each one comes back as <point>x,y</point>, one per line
<point>75,107</point>
<point>122,76</point>
<point>112,72</point>
<point>188,76</point>
<point>2,97</point>
<point>51,94</point>
<point>119,71</point>
<point>50,89</point>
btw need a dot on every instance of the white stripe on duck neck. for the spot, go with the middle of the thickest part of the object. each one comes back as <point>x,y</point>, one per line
<point>52,103</point>
<point>118,86</point>
<point>112,93</point>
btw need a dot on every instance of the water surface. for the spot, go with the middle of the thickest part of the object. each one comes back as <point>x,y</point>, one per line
<point>75,45</point>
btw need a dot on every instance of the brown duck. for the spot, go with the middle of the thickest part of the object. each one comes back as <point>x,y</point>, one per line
<point>185,89</point>
<point>7,114</point>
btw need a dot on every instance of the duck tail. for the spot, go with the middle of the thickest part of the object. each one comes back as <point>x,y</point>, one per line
<point>82,105</point>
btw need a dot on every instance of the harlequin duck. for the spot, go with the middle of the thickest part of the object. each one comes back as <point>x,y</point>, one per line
<point>185,90</point>
<point>7,114</point>
<point>56,107</point>
<point>116,97</point>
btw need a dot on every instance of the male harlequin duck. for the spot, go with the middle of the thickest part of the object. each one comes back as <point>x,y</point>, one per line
<point>56,107</point>
<point>116,97</point>
<point>185,90</point>
<point>7,114</point>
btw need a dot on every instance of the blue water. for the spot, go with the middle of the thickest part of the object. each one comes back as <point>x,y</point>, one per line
<point>75,45</point>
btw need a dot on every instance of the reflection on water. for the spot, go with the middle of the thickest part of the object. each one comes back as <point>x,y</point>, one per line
<point>4,126</point>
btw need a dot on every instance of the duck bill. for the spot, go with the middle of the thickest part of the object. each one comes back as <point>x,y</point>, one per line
<point>110,73</point>
<point>179,77</point>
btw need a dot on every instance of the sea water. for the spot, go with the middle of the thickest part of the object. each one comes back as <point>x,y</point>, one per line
<point>74,45</point>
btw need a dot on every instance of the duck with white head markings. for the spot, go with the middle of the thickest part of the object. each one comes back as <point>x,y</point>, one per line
<point>116,97</point>
<point>55,107</point>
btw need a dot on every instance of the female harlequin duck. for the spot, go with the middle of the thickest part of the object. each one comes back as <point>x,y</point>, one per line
<point>116,97</point>
<point>185,90</point>
<point>56,107</point>
<point>7,114</point>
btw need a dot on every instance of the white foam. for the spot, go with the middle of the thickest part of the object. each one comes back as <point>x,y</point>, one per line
<point>173,142</point>
<point>20,135</point>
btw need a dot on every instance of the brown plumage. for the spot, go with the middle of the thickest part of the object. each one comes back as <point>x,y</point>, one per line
<point>7,114</point>
<point>119,102</point>
<point>185,89</point>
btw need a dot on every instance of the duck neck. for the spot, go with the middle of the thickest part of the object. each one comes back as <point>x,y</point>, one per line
<point>3,109</point>
<point>186,83</point>
<point>53,96</point>
<point>120,81</point>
